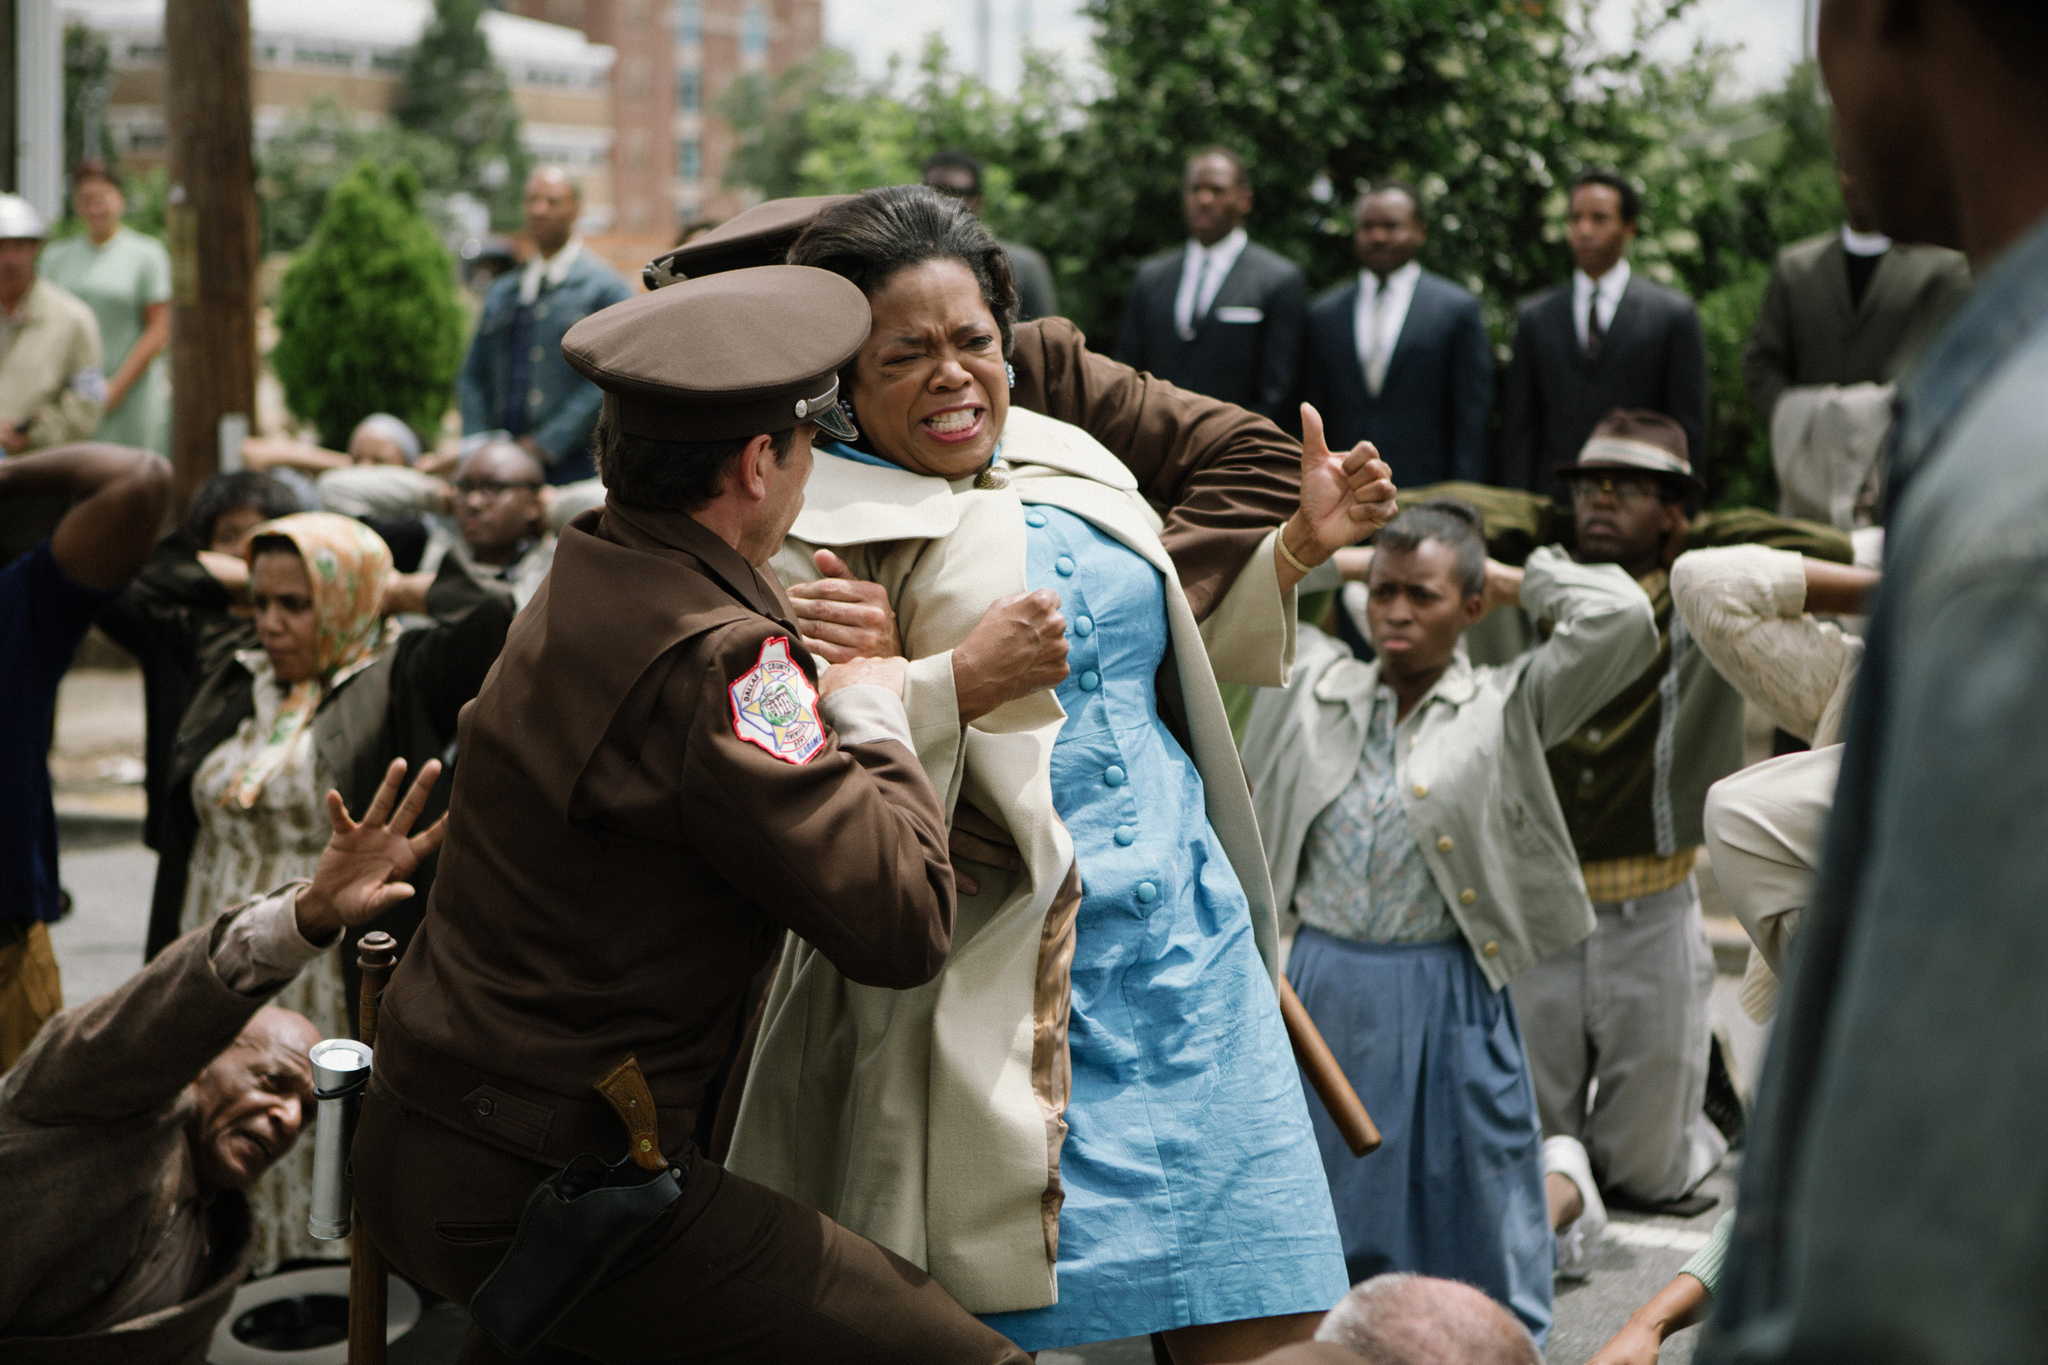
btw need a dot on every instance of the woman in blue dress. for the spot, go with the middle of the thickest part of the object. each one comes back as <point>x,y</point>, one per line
<point>1110,997</point>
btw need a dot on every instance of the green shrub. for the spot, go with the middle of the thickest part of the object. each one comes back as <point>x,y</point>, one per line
<point>368,317</point>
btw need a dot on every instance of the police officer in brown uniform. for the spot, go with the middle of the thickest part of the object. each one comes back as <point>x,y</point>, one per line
<point>654,785</point>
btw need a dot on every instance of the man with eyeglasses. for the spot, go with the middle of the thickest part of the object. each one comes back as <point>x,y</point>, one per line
<point>502,529</point>
<point>1628,1007</point>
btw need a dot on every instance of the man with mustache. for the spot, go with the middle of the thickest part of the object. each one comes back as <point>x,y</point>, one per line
<point>132,1127</point>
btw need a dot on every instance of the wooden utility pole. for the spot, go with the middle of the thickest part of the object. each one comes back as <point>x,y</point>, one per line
<point>211,228</point>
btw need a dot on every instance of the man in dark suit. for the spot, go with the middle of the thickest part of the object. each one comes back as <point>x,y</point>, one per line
<point>959,174</point>
<point>1219,315</point>
<point>1609,339</point>
<point>1843,313</point>
<point>1399,356</point>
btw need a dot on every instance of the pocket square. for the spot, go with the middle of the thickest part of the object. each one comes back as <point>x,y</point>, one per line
<point>1236,313</point>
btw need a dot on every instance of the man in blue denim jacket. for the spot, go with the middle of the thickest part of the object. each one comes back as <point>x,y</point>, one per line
<point>1892,1202</point>
<point>515,378</point>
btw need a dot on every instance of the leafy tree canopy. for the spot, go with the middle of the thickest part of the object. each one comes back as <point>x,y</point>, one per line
<point>315,149</point>
<point>456,94</point>
<point>367,316</point>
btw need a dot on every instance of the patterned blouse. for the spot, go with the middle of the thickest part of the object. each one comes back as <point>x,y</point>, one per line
<point>1362,875</point>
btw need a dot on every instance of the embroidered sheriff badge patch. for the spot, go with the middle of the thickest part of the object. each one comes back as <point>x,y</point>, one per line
<point>775,706</point>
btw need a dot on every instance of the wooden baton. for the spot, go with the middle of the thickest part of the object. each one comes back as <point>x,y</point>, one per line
<point>1332,1086</point>
<point>377,954</point>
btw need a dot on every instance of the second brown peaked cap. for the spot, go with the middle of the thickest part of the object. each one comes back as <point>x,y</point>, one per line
<point>741,353</point>
<point>762,235</point>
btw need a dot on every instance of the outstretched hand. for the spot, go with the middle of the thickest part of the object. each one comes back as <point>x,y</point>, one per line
<point>361,871</point>
<point>1344,498</point>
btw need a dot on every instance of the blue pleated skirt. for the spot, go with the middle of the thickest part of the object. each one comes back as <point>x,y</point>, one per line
<point>1436,1055</point>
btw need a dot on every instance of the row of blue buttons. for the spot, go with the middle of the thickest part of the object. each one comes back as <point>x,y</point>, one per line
<point>1084,626</point>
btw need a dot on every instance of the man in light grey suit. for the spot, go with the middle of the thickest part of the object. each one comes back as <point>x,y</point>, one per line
<point>1221,315</point>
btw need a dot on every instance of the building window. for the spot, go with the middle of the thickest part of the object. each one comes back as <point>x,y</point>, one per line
<point>689,159</point>
<point>754,33</point>
<point>689,22</point>
<point>689,90</point>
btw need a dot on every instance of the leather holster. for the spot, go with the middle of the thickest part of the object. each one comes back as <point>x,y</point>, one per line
<point>578,1225</point>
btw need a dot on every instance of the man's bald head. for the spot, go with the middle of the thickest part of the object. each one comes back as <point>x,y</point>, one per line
<point>1417,1320</point>
<point>250,1103</point>
<point>552,203</point>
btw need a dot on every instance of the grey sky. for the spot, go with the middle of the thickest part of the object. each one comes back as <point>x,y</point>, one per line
<point>1768,31</point>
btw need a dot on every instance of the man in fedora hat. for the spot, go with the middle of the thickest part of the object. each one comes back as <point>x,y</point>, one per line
<point>1628,1006</point>
<point>656,783</point>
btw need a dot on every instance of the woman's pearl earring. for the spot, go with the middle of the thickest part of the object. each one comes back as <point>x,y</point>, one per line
<point>1010,370</point>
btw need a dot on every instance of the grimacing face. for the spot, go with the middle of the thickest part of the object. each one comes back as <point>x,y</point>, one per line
<point>929,388</point>
<point>250,1103</point>
<point>1417,608</point>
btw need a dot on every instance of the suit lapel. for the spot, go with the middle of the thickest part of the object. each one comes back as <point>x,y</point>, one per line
<point>1235,283</point>
<point>1411,334</point>
<point>1834,284</point>
<point>1626,314</point>
<point>1893,279</point>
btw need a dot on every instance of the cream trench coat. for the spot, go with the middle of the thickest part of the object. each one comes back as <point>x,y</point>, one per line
<point>931,1120</point>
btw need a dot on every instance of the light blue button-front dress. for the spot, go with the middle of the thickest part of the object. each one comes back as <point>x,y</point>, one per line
<point>1194,1190</point>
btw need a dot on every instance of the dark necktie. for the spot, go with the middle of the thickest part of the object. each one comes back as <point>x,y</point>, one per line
<point>1595,333</point>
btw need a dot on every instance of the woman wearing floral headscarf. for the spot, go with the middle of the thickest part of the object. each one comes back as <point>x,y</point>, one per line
<point>331,694</point>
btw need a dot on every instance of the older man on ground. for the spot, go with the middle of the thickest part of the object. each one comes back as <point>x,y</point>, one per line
<point>131,1129</point>
<point>515,377</point>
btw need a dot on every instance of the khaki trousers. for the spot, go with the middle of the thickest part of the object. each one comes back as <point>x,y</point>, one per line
<point>1628,1007</point>
<point>733,1272</point>
<point>30,988</point>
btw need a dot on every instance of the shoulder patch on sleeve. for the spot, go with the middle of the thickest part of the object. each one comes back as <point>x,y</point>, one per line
<point>775,707</point>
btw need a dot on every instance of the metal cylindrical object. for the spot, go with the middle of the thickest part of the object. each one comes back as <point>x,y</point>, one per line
<point>341,1068</point>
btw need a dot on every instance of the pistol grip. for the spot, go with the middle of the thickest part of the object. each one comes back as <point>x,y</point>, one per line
<point>625,1089</point>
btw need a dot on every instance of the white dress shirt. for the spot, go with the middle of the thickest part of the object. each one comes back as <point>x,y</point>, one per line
<point>1864,243</point>
<point>1608,289</point>
<point>554,269</point>
<point>1382,311</point>
<point>1202,273</point>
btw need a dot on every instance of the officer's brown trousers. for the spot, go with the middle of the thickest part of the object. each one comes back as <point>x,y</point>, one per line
<point>733,1272</point>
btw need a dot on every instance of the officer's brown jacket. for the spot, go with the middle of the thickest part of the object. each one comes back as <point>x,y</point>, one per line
<point>620,862</point>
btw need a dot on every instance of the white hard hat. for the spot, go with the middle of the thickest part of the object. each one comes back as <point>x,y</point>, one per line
<point>18,218</point>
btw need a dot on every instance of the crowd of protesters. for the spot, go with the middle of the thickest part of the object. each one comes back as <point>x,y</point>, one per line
<point>958,769</point>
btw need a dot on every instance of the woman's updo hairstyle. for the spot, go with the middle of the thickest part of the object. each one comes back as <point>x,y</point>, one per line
<point>872,236</point>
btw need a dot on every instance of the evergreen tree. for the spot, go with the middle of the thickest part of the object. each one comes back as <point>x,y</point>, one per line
<point>456,93</point>
<point>367,316</point>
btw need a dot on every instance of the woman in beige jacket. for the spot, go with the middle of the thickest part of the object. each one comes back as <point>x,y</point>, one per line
<point>1089,1125</point>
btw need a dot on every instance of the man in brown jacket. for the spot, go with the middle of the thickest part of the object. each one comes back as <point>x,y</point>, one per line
<point>131,1128</point>
<point>654,786</point>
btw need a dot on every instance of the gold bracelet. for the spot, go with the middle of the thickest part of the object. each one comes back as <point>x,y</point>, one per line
<point>1280,539</point>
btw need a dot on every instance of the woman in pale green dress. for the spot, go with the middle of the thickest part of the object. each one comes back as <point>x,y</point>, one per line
<point>124,276</point>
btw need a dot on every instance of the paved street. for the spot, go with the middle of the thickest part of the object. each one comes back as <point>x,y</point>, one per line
<point>109,874</point>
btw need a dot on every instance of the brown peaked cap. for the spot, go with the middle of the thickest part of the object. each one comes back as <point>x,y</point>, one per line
<point>741,353</point>
<point>762,235</point>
